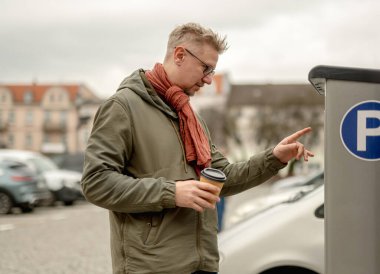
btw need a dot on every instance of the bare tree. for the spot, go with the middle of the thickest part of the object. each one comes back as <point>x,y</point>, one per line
<point>272,123</point>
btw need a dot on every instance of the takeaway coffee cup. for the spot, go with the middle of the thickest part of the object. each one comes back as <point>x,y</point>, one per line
<point>213,176</point>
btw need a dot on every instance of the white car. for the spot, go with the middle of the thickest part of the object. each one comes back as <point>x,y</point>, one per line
<point>280,191</point>
<point>296,181</point>
<point>287,238</point>
<point>64,184</point>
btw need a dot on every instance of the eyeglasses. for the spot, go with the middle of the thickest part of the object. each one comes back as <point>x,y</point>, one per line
<point>209,70</point>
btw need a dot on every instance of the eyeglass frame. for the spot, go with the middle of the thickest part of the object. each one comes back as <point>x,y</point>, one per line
<point>209,70</point>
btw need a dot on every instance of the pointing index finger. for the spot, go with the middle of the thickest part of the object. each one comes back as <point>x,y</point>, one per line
<point>298,134</point>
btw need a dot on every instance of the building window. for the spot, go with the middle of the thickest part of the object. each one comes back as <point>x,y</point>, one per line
<point>29,118</point>
<point>63,139</point>
<point>63,117</point>
<point>60,97</point>
<point>11,140</point>
<point>47,116</point>
<point>28,140</point>
<point>28,97</point>
<point>4,95</point>
<point>11,117</point>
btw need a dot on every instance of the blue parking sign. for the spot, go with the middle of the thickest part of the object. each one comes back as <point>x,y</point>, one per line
<point>360,130</point>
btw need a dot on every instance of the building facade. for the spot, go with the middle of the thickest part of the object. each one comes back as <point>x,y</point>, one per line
<point>57,119</point>
<point>263,114</point>
<point>244,119</point>
<point>52,119</point>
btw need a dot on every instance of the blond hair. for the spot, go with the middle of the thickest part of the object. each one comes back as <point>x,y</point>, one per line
<point>195,33</point>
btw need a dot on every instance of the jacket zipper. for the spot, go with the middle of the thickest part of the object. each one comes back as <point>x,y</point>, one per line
<point>124,245</point>
<point>180,142</point>
<point>199,240</point>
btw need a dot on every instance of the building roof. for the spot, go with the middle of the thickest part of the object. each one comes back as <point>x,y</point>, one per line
<point>218,81</point>
<point>274,95</point>
<point>18,91</point>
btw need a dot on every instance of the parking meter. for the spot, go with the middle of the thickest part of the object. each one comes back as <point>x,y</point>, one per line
<point>352,168</point>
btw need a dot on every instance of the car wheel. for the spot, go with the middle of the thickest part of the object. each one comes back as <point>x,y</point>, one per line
<point>6,203</point>
<point>27,208</point>
<point>289,269</point>
<point>68,203</point>
<point>52,201</point>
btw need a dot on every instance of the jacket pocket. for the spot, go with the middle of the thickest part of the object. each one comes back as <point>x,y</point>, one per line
<point>151,228</point>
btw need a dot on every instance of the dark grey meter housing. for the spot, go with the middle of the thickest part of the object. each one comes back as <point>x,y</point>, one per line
<point>319,74</point>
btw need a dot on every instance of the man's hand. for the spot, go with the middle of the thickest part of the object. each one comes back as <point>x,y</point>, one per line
<point>196,195</point>
<point>290,148</point>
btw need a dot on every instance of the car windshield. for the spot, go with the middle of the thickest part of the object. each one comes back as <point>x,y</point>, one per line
<point>299,195</point>
<point>16,166</point>
<point>318,181</point>
<point>314,182</point>
<point>43,164</point>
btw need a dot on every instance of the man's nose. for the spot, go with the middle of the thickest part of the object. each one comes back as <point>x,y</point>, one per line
<point>207,79</point>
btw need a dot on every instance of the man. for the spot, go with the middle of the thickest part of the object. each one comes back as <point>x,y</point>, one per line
<point>145,154</point>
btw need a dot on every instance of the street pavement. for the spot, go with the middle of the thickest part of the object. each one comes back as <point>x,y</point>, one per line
<point>69,240</point>
<point>56,240</point>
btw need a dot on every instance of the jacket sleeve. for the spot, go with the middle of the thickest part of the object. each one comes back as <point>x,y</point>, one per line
<point>247,174</point>
<point>105,182</point>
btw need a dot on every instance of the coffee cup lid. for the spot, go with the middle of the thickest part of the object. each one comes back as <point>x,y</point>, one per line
<point>214,174</point>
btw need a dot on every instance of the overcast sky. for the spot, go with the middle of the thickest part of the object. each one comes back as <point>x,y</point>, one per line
<point>98,43</point>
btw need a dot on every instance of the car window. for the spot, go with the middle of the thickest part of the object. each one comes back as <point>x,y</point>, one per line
<point>16,166</point>
<point>43,164</point>
<point>316,180</point>
<point>21,168</point>
<point>320,211</point>
<point>301,194</point>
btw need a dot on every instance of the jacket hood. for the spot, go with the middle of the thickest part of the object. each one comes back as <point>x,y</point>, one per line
<point>139,84</point>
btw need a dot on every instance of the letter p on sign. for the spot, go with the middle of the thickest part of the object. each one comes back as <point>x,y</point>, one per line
<point>360,130</point>
<point>363,130</point>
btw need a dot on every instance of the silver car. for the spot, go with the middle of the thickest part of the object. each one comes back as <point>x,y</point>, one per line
<point>285,238</point>
<point>63,184</point>
<point>20,187</point>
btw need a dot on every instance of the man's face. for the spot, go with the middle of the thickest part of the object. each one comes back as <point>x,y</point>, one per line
<point>197,67</point>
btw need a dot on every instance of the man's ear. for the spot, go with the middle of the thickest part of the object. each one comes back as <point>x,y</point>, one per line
<point>179,55</point>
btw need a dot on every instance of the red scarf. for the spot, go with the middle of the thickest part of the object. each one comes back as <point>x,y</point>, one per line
<point>197,148</point>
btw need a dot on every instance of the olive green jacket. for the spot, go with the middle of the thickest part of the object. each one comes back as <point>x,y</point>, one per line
<point>133,158</point>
